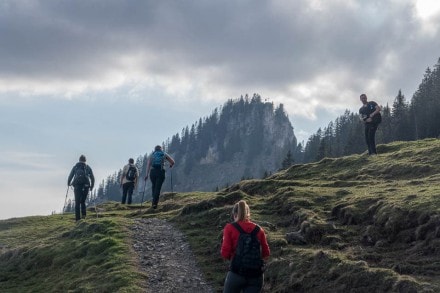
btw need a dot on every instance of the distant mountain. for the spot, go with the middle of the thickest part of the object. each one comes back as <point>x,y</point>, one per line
<point>246,138</point>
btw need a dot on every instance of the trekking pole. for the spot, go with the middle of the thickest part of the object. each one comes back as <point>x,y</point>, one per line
<point>171,179</point>
<point>94,201</point>
<point>143,192</point>
<point>65,200</point>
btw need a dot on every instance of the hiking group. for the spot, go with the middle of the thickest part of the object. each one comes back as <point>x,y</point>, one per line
<point>244,243</point>
<point>82,179</point>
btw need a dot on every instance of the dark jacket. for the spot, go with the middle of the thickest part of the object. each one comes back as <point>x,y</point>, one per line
<point>88,171</point>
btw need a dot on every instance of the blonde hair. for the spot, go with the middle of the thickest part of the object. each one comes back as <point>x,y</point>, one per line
<point>241,210</point>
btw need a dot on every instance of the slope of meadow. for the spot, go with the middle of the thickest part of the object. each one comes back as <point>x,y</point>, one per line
<point>352,224</point>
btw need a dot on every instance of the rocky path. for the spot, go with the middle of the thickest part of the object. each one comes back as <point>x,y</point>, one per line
<point>166,258</point>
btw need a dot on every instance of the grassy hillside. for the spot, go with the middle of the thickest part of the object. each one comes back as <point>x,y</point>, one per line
<point>353,224</point>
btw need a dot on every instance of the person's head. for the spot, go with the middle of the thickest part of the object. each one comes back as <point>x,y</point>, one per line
<point>241,211</point>
<point>363,98</point>
<point>157,148</point>
<point>131,161</point>
<point>82,158</point>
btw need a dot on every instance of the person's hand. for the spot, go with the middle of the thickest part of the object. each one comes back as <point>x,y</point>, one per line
<point>369,120</point>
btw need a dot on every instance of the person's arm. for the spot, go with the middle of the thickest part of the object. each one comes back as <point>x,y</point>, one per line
<point>147,170</point>
<point>376,111</point>
<point>92,178</point>
<point>137,177</point>
<point>265,250</point>
<point>69,179</point>
<point>122,175</point>
<point>226,249</point>
<point>170,160</point>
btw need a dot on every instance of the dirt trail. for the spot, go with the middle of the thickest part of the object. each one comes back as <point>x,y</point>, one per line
<point>166,258</point>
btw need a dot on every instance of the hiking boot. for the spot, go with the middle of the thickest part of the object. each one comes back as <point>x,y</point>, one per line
<point>154,206</point>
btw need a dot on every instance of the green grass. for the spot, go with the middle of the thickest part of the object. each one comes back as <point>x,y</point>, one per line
<point>369,224</point>
<point>54,254</point>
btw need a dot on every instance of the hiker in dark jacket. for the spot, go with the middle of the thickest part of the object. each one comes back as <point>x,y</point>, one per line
<point>82,179</point>
<point>370,115</point>
<point>155,167</point>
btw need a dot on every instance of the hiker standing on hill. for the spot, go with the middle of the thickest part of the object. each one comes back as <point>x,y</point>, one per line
<point>370,115</point>
<point>129,177</point>
<point>82,179</point>
<point>155,167</point>
<point>245,245</point>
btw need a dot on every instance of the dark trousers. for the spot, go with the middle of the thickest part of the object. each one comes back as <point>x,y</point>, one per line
<point>157,177</point>
<point>81,193</point>
<point>235,284</point>
<point>127,190</point>
<point>370,137</point>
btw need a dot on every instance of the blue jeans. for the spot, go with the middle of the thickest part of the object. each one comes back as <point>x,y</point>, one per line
<point>235,284</point>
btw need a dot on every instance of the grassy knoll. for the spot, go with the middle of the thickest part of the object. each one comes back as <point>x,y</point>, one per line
<point>352,224</point>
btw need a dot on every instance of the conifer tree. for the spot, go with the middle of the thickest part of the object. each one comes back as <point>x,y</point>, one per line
<point>288,161</point>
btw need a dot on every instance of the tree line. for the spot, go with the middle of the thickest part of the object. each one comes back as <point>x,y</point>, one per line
<point>224,131</point>
<point>402,121</point>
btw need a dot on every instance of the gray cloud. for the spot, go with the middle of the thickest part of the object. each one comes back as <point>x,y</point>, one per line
<point>233,46</point>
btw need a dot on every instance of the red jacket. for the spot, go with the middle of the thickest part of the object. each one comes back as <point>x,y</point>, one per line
<point>230,239</point>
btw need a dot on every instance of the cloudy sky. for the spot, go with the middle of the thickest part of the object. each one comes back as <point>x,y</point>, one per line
<point>111,79</point>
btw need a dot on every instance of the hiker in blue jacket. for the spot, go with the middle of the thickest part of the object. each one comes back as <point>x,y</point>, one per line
<point>156,170</point>
<point>82,179</point>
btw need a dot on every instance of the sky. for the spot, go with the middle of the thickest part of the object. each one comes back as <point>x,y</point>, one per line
<point>111,79</point>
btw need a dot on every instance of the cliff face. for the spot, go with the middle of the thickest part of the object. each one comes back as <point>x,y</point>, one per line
<point>250,139</point>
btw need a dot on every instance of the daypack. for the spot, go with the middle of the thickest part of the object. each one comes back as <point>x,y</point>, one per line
<point>81,177</point>
<point>247,260</point>
<point>131,173</point>
<point>377,119</point>
<point>157,159</point>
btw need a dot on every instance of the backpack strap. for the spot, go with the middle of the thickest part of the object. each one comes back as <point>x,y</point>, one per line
<point>238,227</point>
<point>253,233</point>
<point>256,230</point>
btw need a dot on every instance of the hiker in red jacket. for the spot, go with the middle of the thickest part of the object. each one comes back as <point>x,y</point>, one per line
<point>247,264</point>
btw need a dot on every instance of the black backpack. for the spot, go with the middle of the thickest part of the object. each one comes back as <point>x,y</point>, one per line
<point>247,260</point>
<point>81,177</point>
<point>131,173</point>
<point>377,119</point>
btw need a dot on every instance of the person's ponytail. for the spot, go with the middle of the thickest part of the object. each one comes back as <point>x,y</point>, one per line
<point>241,210</point>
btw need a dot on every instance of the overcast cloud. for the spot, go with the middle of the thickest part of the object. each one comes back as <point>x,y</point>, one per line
<point>72,69</point>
